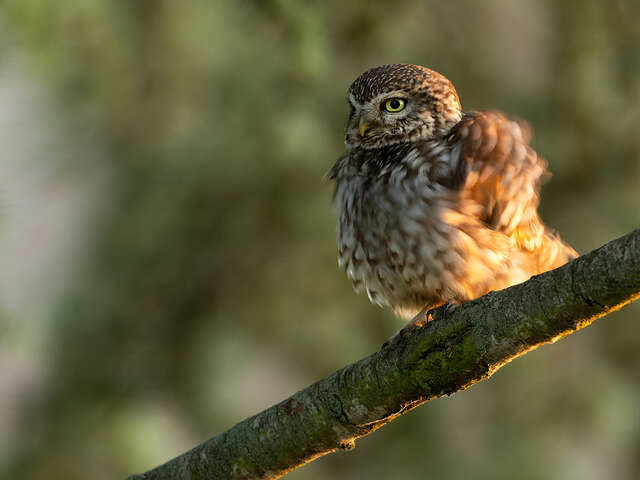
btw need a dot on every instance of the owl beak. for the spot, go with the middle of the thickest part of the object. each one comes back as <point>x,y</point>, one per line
<point>363,126</point>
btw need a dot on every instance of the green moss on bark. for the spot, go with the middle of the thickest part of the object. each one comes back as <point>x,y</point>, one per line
<point>446,355</point>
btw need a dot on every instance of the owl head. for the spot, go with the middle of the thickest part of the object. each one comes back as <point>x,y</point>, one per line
<point>400,103</point>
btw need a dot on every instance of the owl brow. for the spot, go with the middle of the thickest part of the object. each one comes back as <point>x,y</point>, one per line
<point>388,95</point>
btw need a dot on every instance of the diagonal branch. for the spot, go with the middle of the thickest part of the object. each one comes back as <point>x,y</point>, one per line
<point>446,355</point>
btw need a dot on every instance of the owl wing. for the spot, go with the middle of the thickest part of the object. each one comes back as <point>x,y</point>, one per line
<point>499,176</point>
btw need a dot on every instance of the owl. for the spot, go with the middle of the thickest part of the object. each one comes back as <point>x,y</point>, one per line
<point>436,205</point>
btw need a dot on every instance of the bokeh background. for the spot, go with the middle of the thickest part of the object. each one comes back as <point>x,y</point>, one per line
<point>167,250</point>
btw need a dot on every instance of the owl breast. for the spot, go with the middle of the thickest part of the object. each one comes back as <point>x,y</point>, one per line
<point>393,235</point>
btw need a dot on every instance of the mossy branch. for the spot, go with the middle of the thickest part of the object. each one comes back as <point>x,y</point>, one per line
<point>445,356</point>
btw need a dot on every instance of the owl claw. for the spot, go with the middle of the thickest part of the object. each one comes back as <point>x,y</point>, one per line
<point>416,322</point>
<point>421,319</point>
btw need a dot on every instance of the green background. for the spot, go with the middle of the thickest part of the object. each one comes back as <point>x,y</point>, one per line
<point>167,240</point>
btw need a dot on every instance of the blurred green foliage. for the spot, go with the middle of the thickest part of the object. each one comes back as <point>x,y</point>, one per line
<point>206,288</point>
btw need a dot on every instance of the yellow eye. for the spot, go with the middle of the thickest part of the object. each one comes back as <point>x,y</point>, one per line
<point>394,105</point>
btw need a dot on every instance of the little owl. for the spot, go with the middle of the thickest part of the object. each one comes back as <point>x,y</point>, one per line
<point>436,205</point>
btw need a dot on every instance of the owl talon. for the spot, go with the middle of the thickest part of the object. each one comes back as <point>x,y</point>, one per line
<point>425,316</point>
<point>416,322</point>
<point>393,341</point>
<point>449,308</point>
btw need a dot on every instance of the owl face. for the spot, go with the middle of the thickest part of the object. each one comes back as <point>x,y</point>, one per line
<point>399,103</point>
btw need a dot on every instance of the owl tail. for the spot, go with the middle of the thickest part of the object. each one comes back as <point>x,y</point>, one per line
<point>540,251</point>
<point>554,252</point>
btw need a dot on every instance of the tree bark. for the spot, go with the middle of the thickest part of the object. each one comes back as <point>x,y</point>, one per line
<point>454,351</point>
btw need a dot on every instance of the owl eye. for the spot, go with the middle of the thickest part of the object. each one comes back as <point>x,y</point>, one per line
<point>394,105</point>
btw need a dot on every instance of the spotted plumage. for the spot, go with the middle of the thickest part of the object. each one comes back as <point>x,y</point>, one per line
<point>436,205</point>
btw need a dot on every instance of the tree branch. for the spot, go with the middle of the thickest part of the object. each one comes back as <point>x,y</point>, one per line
<point>446,355</point>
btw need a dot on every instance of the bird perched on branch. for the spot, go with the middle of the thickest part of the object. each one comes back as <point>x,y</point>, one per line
<point>436,205</point>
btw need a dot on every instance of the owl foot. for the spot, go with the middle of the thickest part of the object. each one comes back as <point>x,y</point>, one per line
<point>421,319</point>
